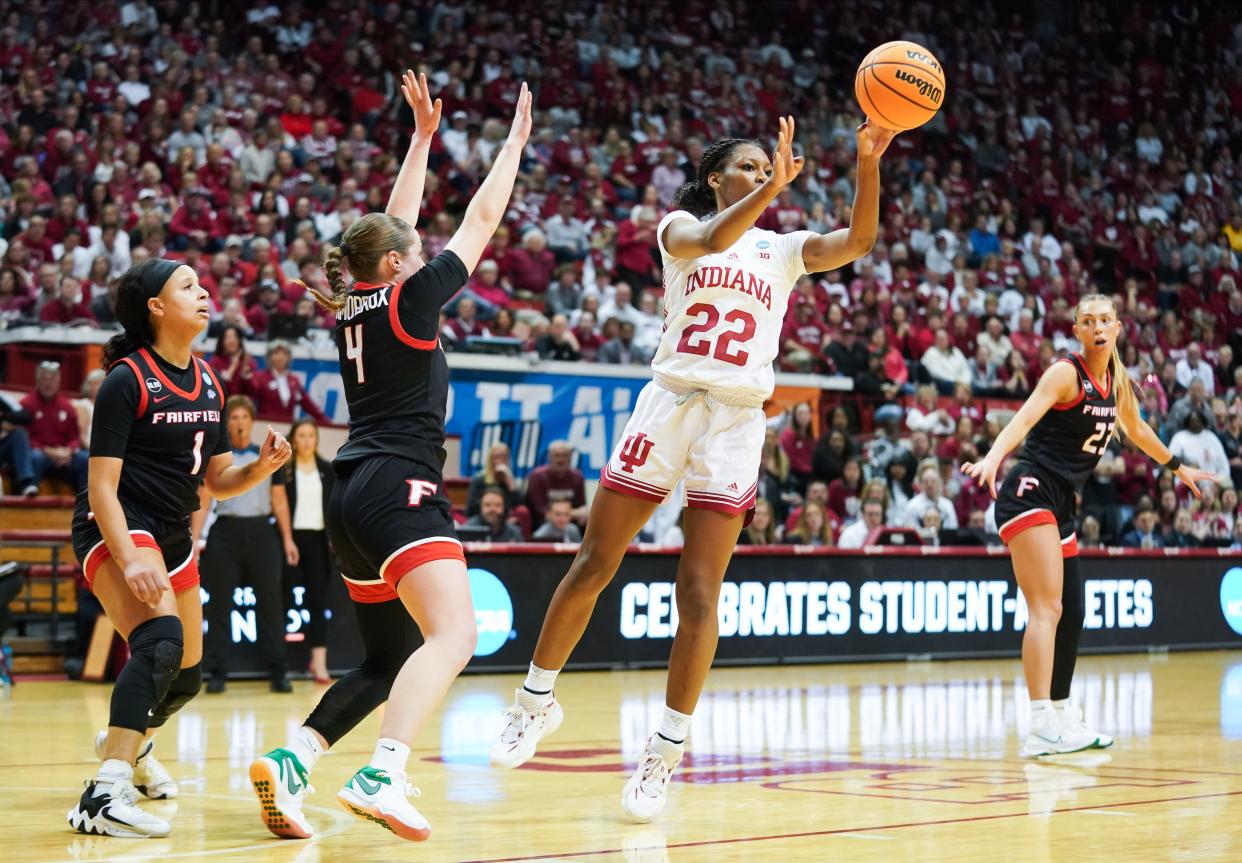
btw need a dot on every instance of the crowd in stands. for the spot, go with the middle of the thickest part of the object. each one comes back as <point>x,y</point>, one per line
<point>244,138</point>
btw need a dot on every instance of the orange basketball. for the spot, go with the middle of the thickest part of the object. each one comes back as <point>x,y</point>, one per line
<point>900,85</point>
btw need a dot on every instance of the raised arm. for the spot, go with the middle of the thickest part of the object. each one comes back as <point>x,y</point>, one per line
<point>489,203</point>
<point>407,191</point>
<point>685,238</point>
<point>838,248</point>
<point>1058,384</point>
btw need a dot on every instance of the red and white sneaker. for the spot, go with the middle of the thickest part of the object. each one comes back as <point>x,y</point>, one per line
<point>647,791</point>
<point>527,722</point>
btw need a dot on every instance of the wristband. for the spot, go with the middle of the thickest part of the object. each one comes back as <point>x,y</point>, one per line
<point>1173,463</point>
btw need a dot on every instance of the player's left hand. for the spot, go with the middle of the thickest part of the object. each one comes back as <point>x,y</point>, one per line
<point>292,555</point>
<point>1193,475</point>
<point>418,97</point>
<point>873,140</point>
<point>274,452</point>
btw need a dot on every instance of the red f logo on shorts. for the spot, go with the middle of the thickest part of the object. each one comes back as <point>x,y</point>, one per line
<point>1026,482</point>
<point>420,488</point>
<point>634,452</point>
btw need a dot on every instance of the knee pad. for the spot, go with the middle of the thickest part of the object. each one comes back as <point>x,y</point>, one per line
<point>155,648</point>
<point>184,686</point>
<point>160,642</point>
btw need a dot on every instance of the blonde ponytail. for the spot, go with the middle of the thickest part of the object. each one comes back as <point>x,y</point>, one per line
<point>1122,386</point>
<point>362,245</point>
<point>332,269</point>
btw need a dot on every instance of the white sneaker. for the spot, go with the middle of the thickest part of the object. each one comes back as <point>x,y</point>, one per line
<point>1052,738</point>
<point>647,791</point>
<point>380,796</point>
<point>105,809</point>
<point>279,781</point>
<point>1070,719</point>
<point>150,777</point>
<point>526,725</point>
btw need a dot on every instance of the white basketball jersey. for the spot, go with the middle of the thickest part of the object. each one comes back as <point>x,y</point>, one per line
<point>724,312</point>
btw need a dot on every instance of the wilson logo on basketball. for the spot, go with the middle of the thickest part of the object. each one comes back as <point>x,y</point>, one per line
<point>926,88</point>
<point>634,453</point>
<point>923,58</point>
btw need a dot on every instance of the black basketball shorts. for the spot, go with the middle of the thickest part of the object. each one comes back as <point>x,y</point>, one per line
<point>1032,495</point>
<point>387,516</point>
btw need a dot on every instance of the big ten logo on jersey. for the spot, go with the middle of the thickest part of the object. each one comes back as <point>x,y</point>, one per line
<point>635,451</point>
<point>419,489</point>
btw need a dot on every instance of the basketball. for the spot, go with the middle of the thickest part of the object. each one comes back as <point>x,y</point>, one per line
<point>900,85</point>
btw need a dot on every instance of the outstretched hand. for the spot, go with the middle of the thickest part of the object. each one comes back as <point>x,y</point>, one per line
<point>274,452</point>
<point>785,165</point>
<point>983,472</point>
<point>873,140</point>
<point>1192,476</point>
<point>418,97</point>
<point>520,130</point>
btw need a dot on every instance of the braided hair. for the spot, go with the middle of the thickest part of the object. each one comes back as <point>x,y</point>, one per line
<point>697,197</point>
<point>362,245</point>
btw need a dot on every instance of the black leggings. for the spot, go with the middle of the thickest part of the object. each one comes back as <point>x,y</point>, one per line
<point>1069,628</point>
<point>313,571</point>
<point>389,635</point>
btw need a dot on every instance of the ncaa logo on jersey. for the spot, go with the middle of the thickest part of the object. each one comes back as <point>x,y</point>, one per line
<point>1087,388</point>
<point>493,611</point>
<point>154,386</point>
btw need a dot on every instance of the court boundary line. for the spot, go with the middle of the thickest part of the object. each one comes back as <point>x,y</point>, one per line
<point>856,829</point>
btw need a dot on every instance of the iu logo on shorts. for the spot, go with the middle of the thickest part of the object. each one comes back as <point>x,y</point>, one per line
<point>634,452</point>
<point>419,489</point>
<point>1026,482</point>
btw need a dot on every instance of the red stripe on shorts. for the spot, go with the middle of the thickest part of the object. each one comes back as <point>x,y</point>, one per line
<point>1015,526</point>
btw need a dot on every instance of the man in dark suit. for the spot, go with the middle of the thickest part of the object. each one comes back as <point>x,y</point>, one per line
<point>622,350</point>
<point>1145,533</point>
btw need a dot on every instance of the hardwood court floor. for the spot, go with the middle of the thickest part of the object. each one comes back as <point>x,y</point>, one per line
<point>846,762</point>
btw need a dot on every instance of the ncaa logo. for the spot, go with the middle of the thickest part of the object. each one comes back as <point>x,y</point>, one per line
<point>154,386</point>
<point>1231,598</point>
<point>1086,385</point>
<point>763,244</point>
<point>493,611</point>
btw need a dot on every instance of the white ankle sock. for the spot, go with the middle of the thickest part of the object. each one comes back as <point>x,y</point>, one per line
<point>390,755</point>
<point>306,746</point>
<point>540,681</point>
<point>674,725</point>
<point>1060,704</point>
<point>1041,712</point>
<point>114,769</point>
<point>667,750</point>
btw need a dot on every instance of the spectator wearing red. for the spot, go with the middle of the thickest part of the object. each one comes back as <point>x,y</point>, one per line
<point>54,434</point>
<point>69,308</point>
<point>816,496</point>
<point>845,492</point>
<point>803,338</point>
<point>798,442</point>
<point>37,241</point>
<point>557,480</point>
<point>259,316</point>
<point>466,323</point>
<point>233,364</point>
<point>530,266</point>
<point>636,240</point>
<point>277,392</point>
<point>589,339</point>
<point>195,222</point>
<point>66,217</point>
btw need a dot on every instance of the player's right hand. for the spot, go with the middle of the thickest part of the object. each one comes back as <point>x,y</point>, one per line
<point>785,165</point>
<point>520,130</point>
<point>147,580</point>
<point>982,472</point>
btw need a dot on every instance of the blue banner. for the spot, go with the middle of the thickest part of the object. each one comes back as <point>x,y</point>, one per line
<point>587,410</point>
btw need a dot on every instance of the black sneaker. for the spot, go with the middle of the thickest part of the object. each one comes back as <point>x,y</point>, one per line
<point>106,810</point>
<point>215,684</point>
<point>280,683</point>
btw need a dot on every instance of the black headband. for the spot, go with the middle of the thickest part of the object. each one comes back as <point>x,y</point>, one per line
<point>156,276</point>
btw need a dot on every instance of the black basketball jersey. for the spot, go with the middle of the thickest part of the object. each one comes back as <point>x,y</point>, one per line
<point>1070,438</point>
<point>394,371</point>
<point>165,423</point>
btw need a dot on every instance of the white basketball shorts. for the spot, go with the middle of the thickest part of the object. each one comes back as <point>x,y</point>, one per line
<point>716,447</point>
